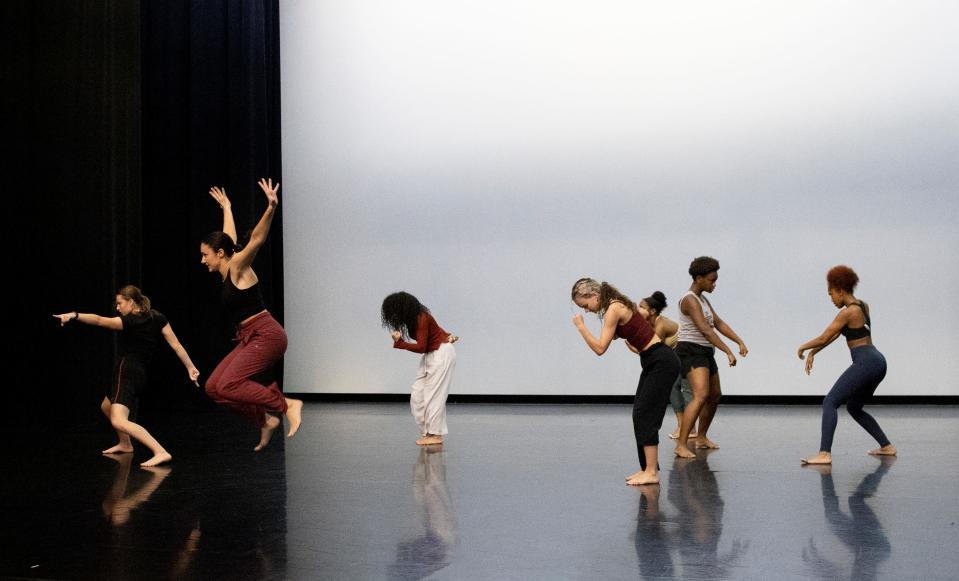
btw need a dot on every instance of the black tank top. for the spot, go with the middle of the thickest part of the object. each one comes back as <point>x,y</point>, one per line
<point>241,303</point>
<point>851,334</point>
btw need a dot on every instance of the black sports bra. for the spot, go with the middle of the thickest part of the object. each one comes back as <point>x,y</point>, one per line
<point>852,334</point>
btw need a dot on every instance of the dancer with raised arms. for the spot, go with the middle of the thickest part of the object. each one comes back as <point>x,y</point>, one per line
<point>261,341</point>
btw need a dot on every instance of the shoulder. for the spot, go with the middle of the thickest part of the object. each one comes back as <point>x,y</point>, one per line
<point>160,319</point>
<point>619,311</point>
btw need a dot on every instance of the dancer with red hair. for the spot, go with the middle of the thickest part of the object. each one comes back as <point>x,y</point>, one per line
<point>862,378</point>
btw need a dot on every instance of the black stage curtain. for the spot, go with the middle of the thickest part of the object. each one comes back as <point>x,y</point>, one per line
<point>121,115</point>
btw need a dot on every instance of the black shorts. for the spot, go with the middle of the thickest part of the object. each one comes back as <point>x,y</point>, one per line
<point>693,355</point>
<point>129,381</point>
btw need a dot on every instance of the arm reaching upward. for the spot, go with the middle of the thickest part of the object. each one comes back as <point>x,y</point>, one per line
<point>229,227</point>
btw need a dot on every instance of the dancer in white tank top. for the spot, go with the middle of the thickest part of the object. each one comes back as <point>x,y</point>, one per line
<point>698,339</point>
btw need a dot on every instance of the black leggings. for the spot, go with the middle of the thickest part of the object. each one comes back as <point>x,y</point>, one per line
<point>660,368</point>
<point>852,388</point>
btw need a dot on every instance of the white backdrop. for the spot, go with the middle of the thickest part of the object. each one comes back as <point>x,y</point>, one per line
<point>485,155</point>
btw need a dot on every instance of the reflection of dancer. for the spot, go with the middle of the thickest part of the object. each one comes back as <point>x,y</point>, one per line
<point>624,320</point>
<point>261,340</point>
<point>652,541</point>
<point>861,531</point>
<point>668,330</point>
<point>698,323</point>
<point>408,318</point>
<point>862,378</point>
<point>141,330</point>
<point>431,551</point>
<point>118,504</point>
<point>694,491</point>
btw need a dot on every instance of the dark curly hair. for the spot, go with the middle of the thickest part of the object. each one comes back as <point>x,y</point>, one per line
<point>656,301</point>
<point>843,278</point>
<point>702,266</point>
<point>400,312</point>
<point>607,294</point>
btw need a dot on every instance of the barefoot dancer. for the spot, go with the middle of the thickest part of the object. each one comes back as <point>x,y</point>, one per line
<point>698,323</point>
<point>403,314</point>
<point>141,330</point>
<point>862,378</point>
<point>668,330</point>
<point>624,320</point>
<point>261,340</point>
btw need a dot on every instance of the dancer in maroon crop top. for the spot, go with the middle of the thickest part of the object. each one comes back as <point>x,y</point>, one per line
<point>622,319</point>
<point>261,341</point>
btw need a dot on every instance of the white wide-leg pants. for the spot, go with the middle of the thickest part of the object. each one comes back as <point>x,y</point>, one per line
<point>432,385</point>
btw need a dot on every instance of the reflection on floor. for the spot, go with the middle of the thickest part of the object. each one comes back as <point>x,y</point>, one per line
<point>517,492</point>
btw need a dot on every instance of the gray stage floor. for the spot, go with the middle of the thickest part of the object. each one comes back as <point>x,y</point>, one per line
<point>518,492</point>
<point>537,492</point>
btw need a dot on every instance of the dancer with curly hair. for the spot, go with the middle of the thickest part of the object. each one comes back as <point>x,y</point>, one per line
<point>698,341</point>
<point>862,378</point>
<point>413,328</point>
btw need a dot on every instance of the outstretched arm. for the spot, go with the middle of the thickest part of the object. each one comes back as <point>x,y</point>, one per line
<point>244,258</point>
<point>112,323</point>
<point>229,228</point>
<point>174,343</point>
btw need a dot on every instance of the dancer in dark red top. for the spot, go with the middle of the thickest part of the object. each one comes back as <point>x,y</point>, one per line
<point>622,319</point>
<point>141,331</point>
<point>408,319</point>
<point>261,341</point>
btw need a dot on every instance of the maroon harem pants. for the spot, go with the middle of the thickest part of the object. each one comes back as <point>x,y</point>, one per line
<point>262,343</point>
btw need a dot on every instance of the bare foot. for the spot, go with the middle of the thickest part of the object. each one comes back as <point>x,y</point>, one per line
<point>294,413</point>
<point>674,435</point>
<point>429,440</point>
<point>889,450</point>
<point>704,442</point>
<point>119,449</point>
<point>820,458</point>
<point>692,436</point>
<point>634,475</point>
<point>160,458</point>
<point>266,432</point>
<point>684,452</point>
<point>643,479</point>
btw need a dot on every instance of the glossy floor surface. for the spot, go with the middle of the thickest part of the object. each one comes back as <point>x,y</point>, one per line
<point>517,492</point>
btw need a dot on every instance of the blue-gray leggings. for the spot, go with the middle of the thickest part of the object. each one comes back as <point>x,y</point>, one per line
<point>852,388</point>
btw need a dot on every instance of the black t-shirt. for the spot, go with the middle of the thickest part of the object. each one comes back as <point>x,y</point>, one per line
<point>142,334</point>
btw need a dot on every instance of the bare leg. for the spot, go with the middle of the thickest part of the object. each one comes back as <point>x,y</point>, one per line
<point>679,425</point>
<point>294,414</point>
<point>124,445</point>
<point>429,440</point>
<point>699,381</point>
<point>708,412</point>
<point>266,432</point>
<point>650,475</point>
<point>119,417</point>
<point>888,450</point>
